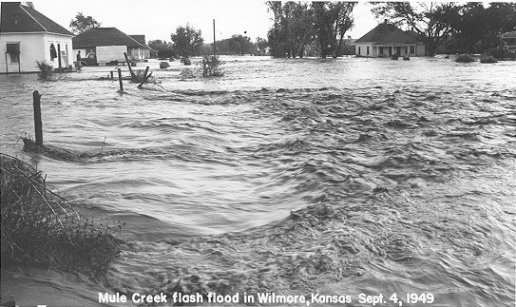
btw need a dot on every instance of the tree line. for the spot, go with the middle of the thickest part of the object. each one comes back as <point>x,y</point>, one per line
<point>300,27</point>
<point>319,27</point>
<point>450,27</point>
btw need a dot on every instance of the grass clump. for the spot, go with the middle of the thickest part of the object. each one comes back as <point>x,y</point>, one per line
<point>488,59</point>
<point>45,70</point>
<point>39,228</point>
<point>465,58</point>
<point>210,66</point>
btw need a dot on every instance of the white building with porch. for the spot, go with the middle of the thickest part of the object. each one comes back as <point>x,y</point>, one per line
<point>386,40</point>
<point>27,36</point>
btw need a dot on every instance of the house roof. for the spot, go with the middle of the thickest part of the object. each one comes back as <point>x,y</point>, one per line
<point>139,38</point>
<point>104,37</point>
<point>386,33</point>
<point>19,18</point>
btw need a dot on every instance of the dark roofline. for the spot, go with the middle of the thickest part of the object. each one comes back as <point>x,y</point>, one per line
<point>34,21</point>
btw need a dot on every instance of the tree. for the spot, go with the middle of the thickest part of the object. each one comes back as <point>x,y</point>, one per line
<point>187,41</point>
<point>332,21</point>
<point>480,24</point>
<point>240,44</point>
<point>432,21</point>
<point>262,44</point>
<point>292,29</point>
<point>81,23</point>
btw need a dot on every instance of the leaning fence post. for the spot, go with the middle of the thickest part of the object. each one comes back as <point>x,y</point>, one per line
<point>38,125</point>
<point>120,80</point>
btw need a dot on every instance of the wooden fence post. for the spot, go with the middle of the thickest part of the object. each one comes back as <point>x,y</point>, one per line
<point>120,80</point>
<point>38,125</point>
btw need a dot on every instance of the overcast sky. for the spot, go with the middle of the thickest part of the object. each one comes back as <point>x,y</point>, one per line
<point>157,19</point>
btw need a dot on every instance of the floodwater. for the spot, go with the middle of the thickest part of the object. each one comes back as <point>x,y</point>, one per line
<point>300,176</point>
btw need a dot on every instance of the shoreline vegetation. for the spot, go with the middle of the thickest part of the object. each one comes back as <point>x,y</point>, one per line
<point>41,228</point>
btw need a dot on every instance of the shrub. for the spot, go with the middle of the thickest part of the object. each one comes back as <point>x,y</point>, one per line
<point>210,66</point>
<point>45,70</point>
<point>465,58</point>
<point>488,59</point>
<point>186,61</point>
<point>40,228</point>
<point>164,65</point>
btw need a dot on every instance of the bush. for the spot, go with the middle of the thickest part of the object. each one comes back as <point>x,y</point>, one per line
<point>210,66</point>
<point>164,65</point>
<point>488,59</point>
<point>45,70</point>
<point>40,228</point>
<point>186,61</point>
<point>465,58</point>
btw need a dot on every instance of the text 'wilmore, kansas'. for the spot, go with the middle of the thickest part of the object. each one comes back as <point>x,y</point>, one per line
<point>264,298</point>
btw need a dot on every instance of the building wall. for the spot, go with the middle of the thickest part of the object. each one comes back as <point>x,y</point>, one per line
<point>31,50</point>
<point>374,50</point>
<point>62,43</point>
<point>34,47</point>
<point>361,49</point>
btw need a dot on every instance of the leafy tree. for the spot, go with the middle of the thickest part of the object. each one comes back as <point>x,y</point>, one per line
<point>332,21</point>
<point>480,24</point>
<point>434,22</point>
<point>298,24</point>
<point>292,30</point>
<point>262,44</point>
<point>187,41</point>
<point>240,44</point>
<point>81,23</point>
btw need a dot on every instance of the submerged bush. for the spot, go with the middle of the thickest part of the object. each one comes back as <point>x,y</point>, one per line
<point>163,65</point>
<point>488,59</point>
<point>40,228</point>
<point>210,66</point>
<point>465,58</point>
<point>45,70</point>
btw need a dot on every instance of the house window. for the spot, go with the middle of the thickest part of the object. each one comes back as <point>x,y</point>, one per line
<point>367,50</point>
<point>359,52</point>
<point>412,50</point>
<point>406,50</point>
<point>14,51</point>
<point>381,50</point>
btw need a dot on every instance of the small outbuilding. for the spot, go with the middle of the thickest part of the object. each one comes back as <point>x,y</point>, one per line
<point>386,40</point>
<point>109,45</point>
<point>27,36</point>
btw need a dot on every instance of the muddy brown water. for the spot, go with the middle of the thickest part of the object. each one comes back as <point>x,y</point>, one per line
<point>338,177</point>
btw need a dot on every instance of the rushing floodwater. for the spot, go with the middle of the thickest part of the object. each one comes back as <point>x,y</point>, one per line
<point>340,176</point>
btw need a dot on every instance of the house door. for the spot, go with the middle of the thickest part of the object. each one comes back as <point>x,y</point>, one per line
<point>398,50</point>
<point>390,50</point>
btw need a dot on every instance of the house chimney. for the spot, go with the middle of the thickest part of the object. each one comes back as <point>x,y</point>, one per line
<point>30,4</point>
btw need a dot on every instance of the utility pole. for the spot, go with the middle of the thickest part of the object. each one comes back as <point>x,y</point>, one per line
<point>214,47</point>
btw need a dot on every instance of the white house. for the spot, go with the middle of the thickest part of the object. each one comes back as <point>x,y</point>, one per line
<point>109,44</point>
<point>27,36</point>
<point>386,40</point>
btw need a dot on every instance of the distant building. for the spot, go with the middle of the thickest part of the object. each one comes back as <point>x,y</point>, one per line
<point>27,36</point>
<point>109,45</point>
<point>386,40</point>
<point>508,42</point>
